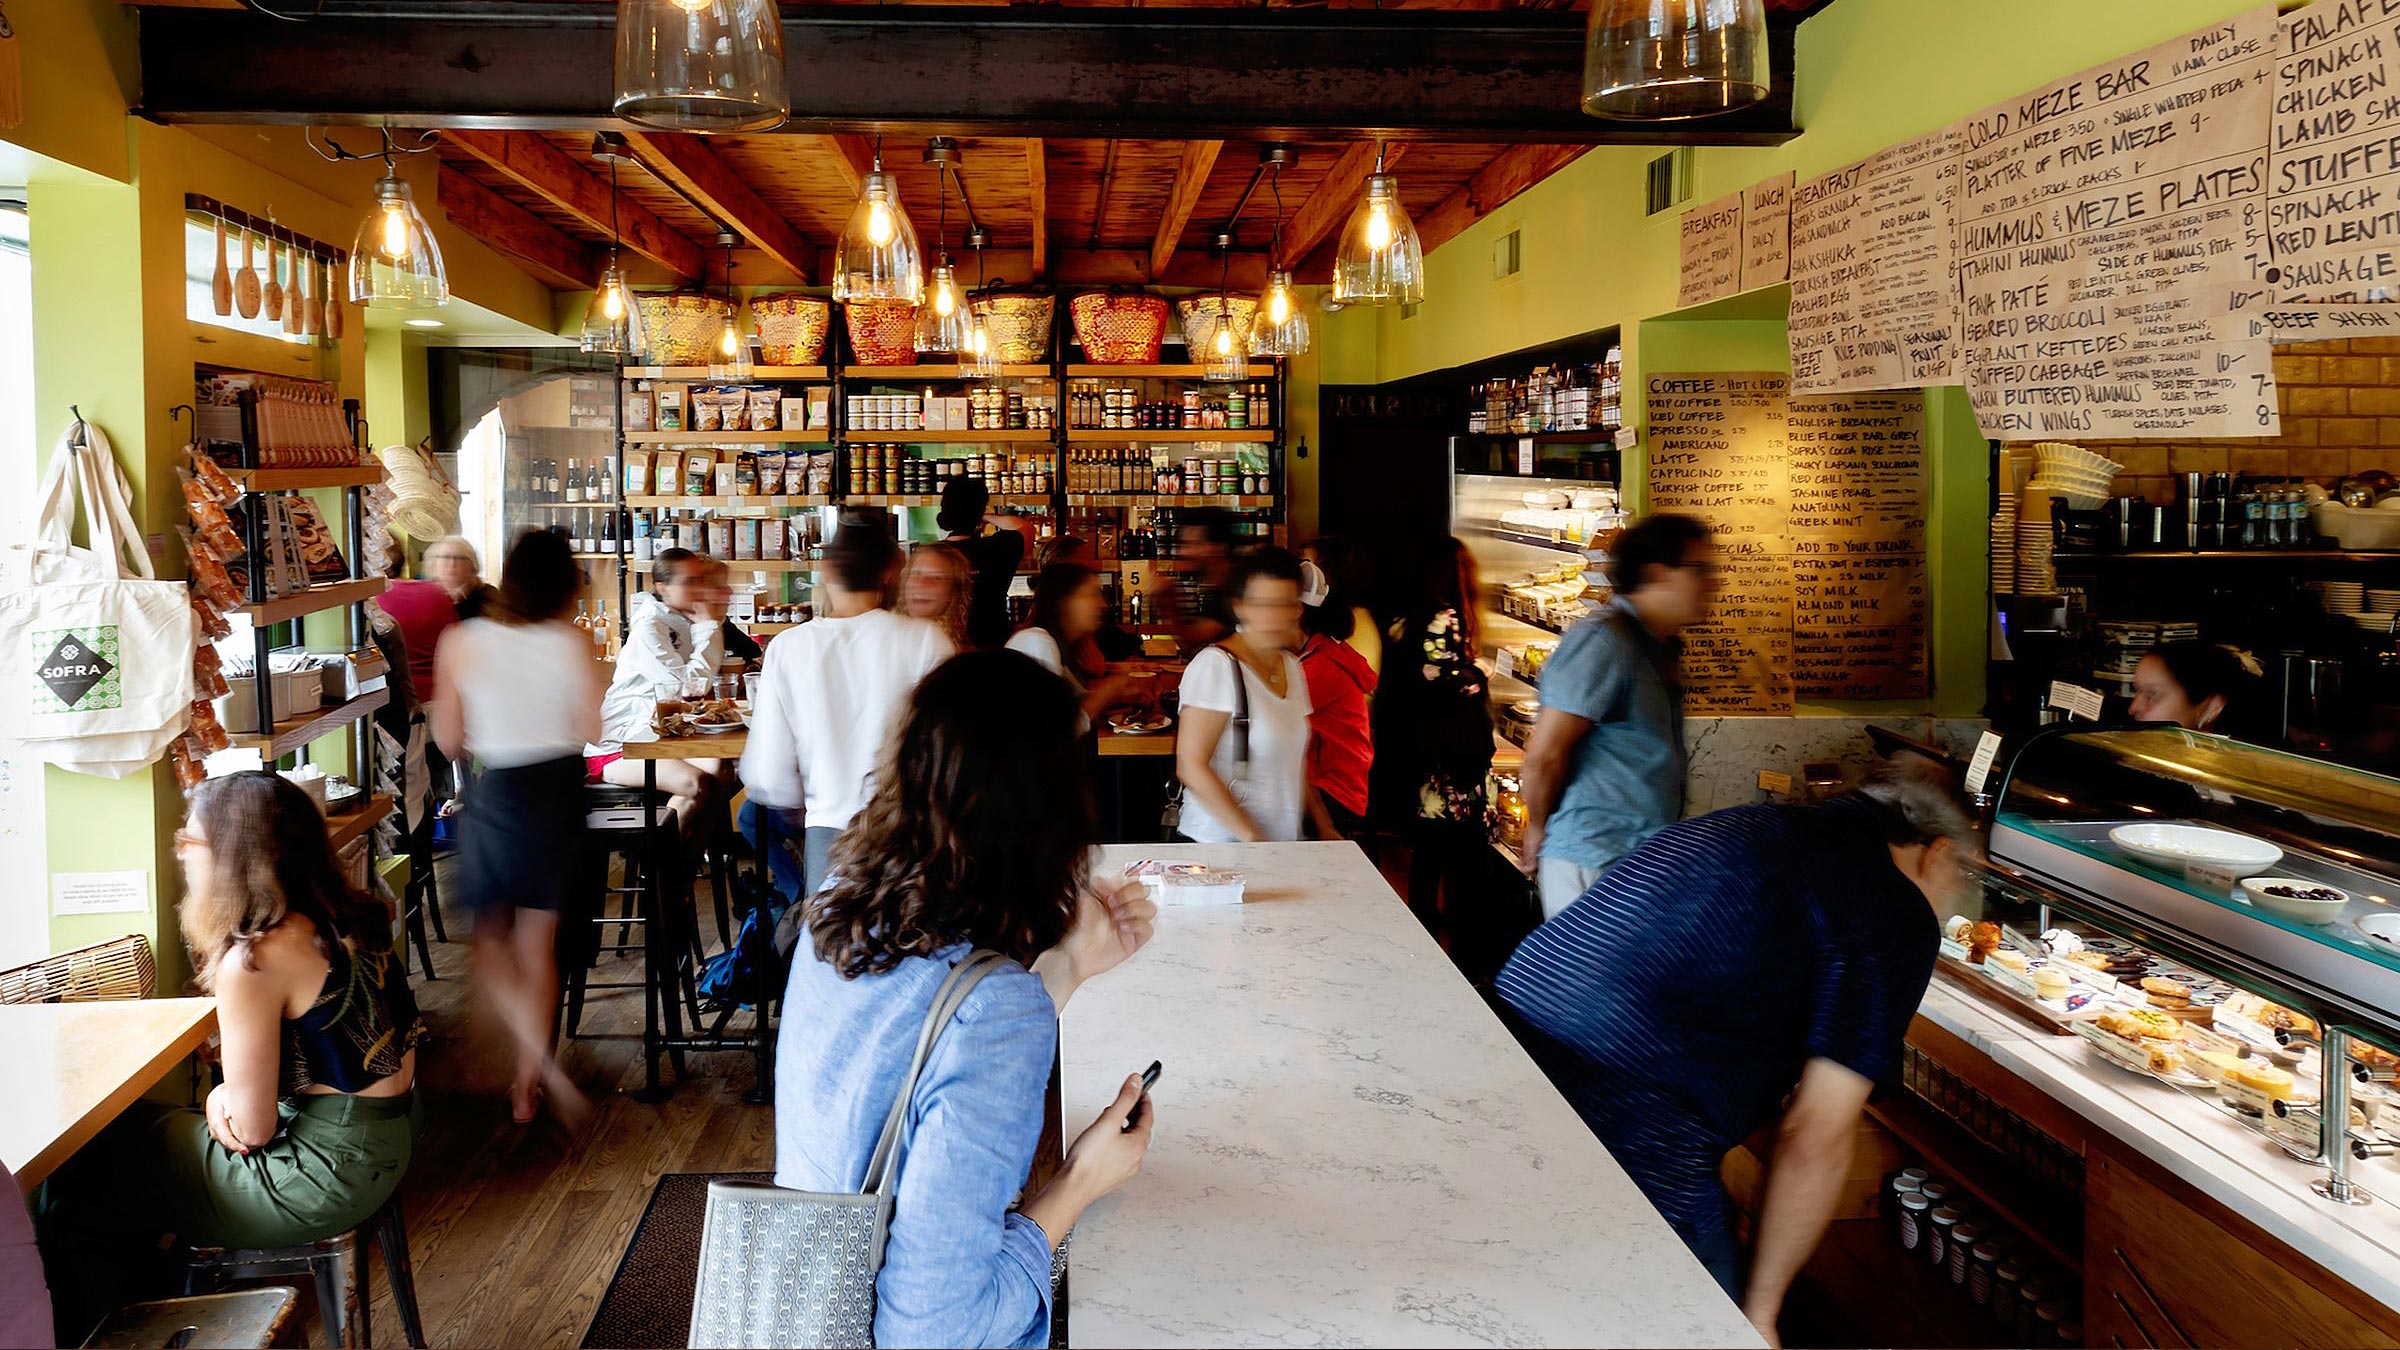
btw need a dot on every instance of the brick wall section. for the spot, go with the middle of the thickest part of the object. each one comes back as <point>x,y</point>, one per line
<point>2341,415</point>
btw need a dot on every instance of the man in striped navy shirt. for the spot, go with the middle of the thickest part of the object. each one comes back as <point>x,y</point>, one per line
<point>1726,961</point>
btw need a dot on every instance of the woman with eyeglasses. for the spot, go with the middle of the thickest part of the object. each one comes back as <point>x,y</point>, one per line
<point>1241,752</point>
<point>315,1121</point>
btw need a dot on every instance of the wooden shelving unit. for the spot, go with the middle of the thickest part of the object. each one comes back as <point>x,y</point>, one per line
<point>1012,436</point>
<point>745,565</point>
<point>331,595</point>
<point>1237,501</point>
<point>816,436</point>
<point>300,728</point>
<point>673,503</point>
<point>938,373</point>
<point>701,373</point>
<point>1157,372</point>
<point>343,829</point>
<point>1178,436</point>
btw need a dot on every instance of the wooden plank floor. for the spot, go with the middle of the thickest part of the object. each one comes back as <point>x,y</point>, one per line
<point>517,1229</point>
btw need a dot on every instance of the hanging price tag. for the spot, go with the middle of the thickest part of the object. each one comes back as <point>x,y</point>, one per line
<point>1979,769</point>
<point>1525,457</point>
<point>2077,701</point>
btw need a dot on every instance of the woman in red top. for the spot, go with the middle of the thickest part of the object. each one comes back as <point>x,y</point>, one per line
<point>1340,749</point>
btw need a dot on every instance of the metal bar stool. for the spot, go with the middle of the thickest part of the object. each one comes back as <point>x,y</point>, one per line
<point>613,819</point>
<point>250,1319</point>
<point>337,1264</point>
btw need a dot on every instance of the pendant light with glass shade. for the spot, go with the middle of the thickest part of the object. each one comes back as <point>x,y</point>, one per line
<point>981,359</point>
<point>1281,326</point>
<point>1379,261</point>
<point>942,320</point>
<point>701,65</point>
<point>729,358</point>
<point>877,257</point>
<point>611,323</point>
<point>1224,353</point>
<point>394,263</point>
<point>1666,60</point>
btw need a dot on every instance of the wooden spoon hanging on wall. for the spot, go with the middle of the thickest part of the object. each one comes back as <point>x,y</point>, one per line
<point>245,282</point>
<point>333,301</point>
<point>316,295</point>
<point>271,297</point>
<point>301,265</point>
<point>220,286</point>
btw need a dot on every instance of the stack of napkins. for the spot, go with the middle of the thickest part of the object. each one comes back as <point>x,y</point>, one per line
<point>1187,883</point>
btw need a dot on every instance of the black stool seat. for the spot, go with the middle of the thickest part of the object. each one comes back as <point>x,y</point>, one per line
<point>336,1263</point>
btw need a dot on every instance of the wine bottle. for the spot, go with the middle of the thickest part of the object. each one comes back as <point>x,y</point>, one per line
<point>574,484</point>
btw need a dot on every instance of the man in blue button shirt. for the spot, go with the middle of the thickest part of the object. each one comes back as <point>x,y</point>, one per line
<point>1750,965</point>
<point>1604,767</point>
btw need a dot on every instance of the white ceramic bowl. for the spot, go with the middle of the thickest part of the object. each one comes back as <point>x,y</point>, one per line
<point>2293,908</point>
<point>2168,845</point>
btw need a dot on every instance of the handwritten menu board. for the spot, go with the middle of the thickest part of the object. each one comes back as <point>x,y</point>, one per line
<point>1717,453</point>
<point>2334,175</point>
<point>1819,510</point>
<point>1857,545</point>
<point>1711,251</point>
<point>1874,267</point>
<point>2111,225</point>
<point>1767,231</point>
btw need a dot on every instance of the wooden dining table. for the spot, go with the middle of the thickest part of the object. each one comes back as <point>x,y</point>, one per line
<point>72,1067</point>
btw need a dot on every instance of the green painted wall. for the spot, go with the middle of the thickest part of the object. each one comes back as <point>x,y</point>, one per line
<point>1871,73</point>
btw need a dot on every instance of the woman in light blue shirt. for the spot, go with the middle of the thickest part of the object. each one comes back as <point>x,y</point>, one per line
<point>978,834</point>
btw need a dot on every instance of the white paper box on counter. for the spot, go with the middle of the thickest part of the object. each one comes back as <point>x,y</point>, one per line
<point>1174,883</point>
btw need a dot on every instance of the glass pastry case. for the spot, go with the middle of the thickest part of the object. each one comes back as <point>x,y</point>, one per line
<point>2222,916</point>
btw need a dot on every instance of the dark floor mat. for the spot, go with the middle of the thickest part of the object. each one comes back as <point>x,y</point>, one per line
<point>648,1305</point>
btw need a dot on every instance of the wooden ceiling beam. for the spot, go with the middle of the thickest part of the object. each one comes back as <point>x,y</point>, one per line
<point>1037,194</point>
<point>1191,179</point>
<point>691,168</point>
<point>1336,196</point>
<point>1512,171</point>
<point>1056,71</point>
<point>854,156</point>
<point>546,251</point>
<point>547,171</point>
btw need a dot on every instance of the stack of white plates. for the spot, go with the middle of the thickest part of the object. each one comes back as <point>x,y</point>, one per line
<point>2344,597</point>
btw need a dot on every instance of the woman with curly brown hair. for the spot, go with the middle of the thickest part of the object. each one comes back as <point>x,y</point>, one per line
<point>978,836</point>
<point>938,587</point>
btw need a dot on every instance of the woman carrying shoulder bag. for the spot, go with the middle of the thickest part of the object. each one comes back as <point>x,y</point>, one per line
<point>978,839</point>
<point>1241,752</point>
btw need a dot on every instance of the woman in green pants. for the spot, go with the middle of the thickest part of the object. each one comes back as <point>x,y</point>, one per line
<point>313,1125</point>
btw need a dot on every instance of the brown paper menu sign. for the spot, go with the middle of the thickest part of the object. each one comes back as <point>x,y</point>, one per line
<point>1711,251</point>
<point>1767,231</point>
<point>2112,226</point>
<point>1857,532</point>
<point>1819,510</point>
<point>1717,453</point>
<point>1874,268</point>
<point>2333,179</point>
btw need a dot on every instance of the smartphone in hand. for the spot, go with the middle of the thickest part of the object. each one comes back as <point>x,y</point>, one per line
<point>1149,1078</point>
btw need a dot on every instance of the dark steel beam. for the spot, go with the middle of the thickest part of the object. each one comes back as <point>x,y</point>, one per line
<point>1025,71</point>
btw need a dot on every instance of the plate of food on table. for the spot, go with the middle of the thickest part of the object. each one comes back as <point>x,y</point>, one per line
<point>698,717</point>
<point>1139,721</point>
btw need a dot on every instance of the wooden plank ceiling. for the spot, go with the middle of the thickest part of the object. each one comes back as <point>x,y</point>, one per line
<point>1074,211</point>
<point>1118,212</point>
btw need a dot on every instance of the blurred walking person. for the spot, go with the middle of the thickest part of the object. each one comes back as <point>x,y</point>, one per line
<point>518,691</point>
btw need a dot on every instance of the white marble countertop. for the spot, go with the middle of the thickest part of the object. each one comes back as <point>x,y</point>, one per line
<point>1351,1149</point>
<point>2224,1158</point>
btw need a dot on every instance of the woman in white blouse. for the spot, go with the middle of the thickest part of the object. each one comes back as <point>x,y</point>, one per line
<point>1242,750</point>
<point>1068,613</point>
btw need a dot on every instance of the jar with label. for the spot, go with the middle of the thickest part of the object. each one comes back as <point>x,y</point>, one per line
<point>1937,1248</point>
<point>2007,1279</point>
<point>1237,409</point>
<point>1961,1256</point>
<point>1990,1250</point>
<point>2031,1295</point>
<point>1902,1183</point>
<point>1915,1221</point>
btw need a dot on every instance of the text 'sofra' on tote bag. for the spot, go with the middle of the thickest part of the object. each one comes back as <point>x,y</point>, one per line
<point>95,654</point>
<point>782,1268</point>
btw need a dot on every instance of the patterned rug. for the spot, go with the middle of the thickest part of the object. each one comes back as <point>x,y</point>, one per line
<point>648,1305</point>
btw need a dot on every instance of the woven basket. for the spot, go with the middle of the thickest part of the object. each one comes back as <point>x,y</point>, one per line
<point>683,326</point>
<point>1119,328</point>
<point>791,328</point>
<point>882,332</point>
<point>120,968</point>
<point>1198,315</point>
<point>1019,325</point>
